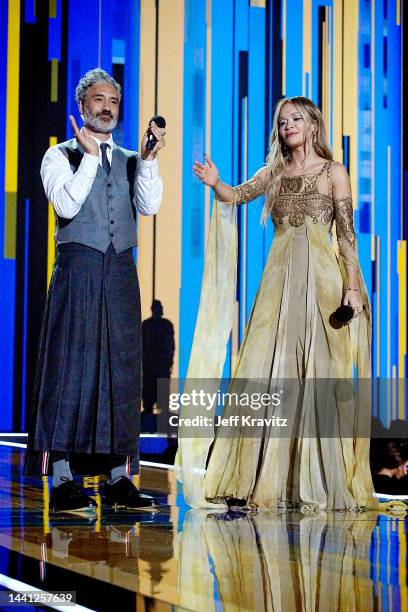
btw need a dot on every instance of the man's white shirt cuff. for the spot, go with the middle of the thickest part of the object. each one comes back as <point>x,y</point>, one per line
<point>147,169</point>
<point>89,165</point>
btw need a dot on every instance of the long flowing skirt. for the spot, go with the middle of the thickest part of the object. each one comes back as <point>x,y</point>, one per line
<point>321,459</point>
<point>317,562</point>
<point>88,378</point>
<point>306,463</point>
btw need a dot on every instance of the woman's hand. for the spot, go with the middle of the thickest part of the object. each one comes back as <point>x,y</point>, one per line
<point>84,138</point>
<point>207,173</point>
<point>352,298</point>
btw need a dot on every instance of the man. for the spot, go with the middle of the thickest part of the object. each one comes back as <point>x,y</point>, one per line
<point>86,408</point>
<point>158,353</point>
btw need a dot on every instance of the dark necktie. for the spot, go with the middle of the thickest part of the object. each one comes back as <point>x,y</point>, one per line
<point>105,161</point>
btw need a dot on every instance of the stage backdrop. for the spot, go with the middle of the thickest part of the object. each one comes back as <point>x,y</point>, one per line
<point>214,69</point>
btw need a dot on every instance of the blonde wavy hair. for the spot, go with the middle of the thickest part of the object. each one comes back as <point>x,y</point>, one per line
<point>279,153</point>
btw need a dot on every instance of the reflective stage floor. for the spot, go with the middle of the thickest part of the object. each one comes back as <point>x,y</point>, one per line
<point>184,559</point>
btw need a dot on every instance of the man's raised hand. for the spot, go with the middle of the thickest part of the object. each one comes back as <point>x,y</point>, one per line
<point>84,138</point>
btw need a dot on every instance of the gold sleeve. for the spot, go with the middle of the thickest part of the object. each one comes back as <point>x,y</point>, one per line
<point>346,237</point>
<point>249,190</point>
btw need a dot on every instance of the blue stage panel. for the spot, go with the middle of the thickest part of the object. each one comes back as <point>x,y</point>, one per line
<point>192,192</point>
<point>293,43</point>
<point>224,110</point>
<point>256,147</point>
<point>83,48</point>
<point>7,266</point>
<point>131,75</point>
<point>29,11</point>
<point>54,33</point>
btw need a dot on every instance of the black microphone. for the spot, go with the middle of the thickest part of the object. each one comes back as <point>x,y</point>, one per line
<point>341,316</point>
<point>151,139</point>
<point>344,313</point>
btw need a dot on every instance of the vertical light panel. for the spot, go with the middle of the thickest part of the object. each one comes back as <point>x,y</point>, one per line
<point>372,60</point>
<point>307,48</point>
<point>54,80</point>
<point>131,75</point>
<point>84,19</point>
<point>168,221</point>
<point>378,303</point>
<point>12,107</point>
<point>25,312</point>
<point>326,72</point>
<point>244,307</point>
<point>402,565</point>
<point>375,349</point>
<point>293,40</point>
<point>337,112</point>
<point>252,258</point>
<point>29,11</point>
<point>194,100</point>
<point>388,262</point>
<point>53,8</point>
<point>146,111</point>
<point>208,68</point>
<point>54,44</point>
<point>350,78</point>
<point>283,29</point>
<point>7,265</point>
<point>51,229</point>
<point>402,321</point>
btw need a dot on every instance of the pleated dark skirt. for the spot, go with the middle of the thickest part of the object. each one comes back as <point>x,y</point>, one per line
<point>88,379</point>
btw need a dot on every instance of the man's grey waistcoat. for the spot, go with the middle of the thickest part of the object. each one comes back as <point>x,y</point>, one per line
<point>107,215</point>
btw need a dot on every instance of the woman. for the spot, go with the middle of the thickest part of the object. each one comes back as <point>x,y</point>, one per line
<point>319,460</point>
<point>390,466</point>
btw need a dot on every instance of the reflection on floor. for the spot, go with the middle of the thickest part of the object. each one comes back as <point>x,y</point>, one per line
<point>199,559</point>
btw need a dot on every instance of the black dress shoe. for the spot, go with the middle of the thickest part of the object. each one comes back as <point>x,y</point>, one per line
<point>68,497</point>
<point>123,493</point>
<point>235,504</point>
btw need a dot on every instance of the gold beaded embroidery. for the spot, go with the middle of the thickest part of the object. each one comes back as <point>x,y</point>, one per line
<point>299,197</point>
<point>249,190</point>
<point>299,184</point>
<point>344,220</point>
<point>317,206</point>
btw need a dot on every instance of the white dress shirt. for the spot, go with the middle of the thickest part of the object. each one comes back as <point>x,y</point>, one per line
<point>67,191</point>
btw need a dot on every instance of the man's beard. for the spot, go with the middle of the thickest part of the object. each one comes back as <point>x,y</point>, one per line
<point>98,125</point>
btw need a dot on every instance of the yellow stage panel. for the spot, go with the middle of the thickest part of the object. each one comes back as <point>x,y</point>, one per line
<point>168,220</point>
<point>350,78</point>
<point>337,143</point>
<point>12,108</point>
<point>51,229</point>
<point>54,80</point>
<point>307,46</point>
<point>146,111</point>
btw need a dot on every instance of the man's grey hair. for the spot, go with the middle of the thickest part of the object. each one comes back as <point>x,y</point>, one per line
<point>90,78</point>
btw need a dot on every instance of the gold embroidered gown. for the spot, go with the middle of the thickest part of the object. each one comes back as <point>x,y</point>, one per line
<point>276,561</point>
<point>288,337</point>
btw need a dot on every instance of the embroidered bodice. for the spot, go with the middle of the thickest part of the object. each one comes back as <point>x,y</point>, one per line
<point>299,197</point>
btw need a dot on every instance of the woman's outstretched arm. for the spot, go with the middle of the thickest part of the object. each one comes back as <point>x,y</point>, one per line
<point>208,174</point>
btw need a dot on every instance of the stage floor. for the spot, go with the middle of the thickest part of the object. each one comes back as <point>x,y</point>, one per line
<point>197,559</point>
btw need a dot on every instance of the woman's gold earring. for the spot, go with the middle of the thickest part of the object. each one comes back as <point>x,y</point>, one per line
<point>314,138</point>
